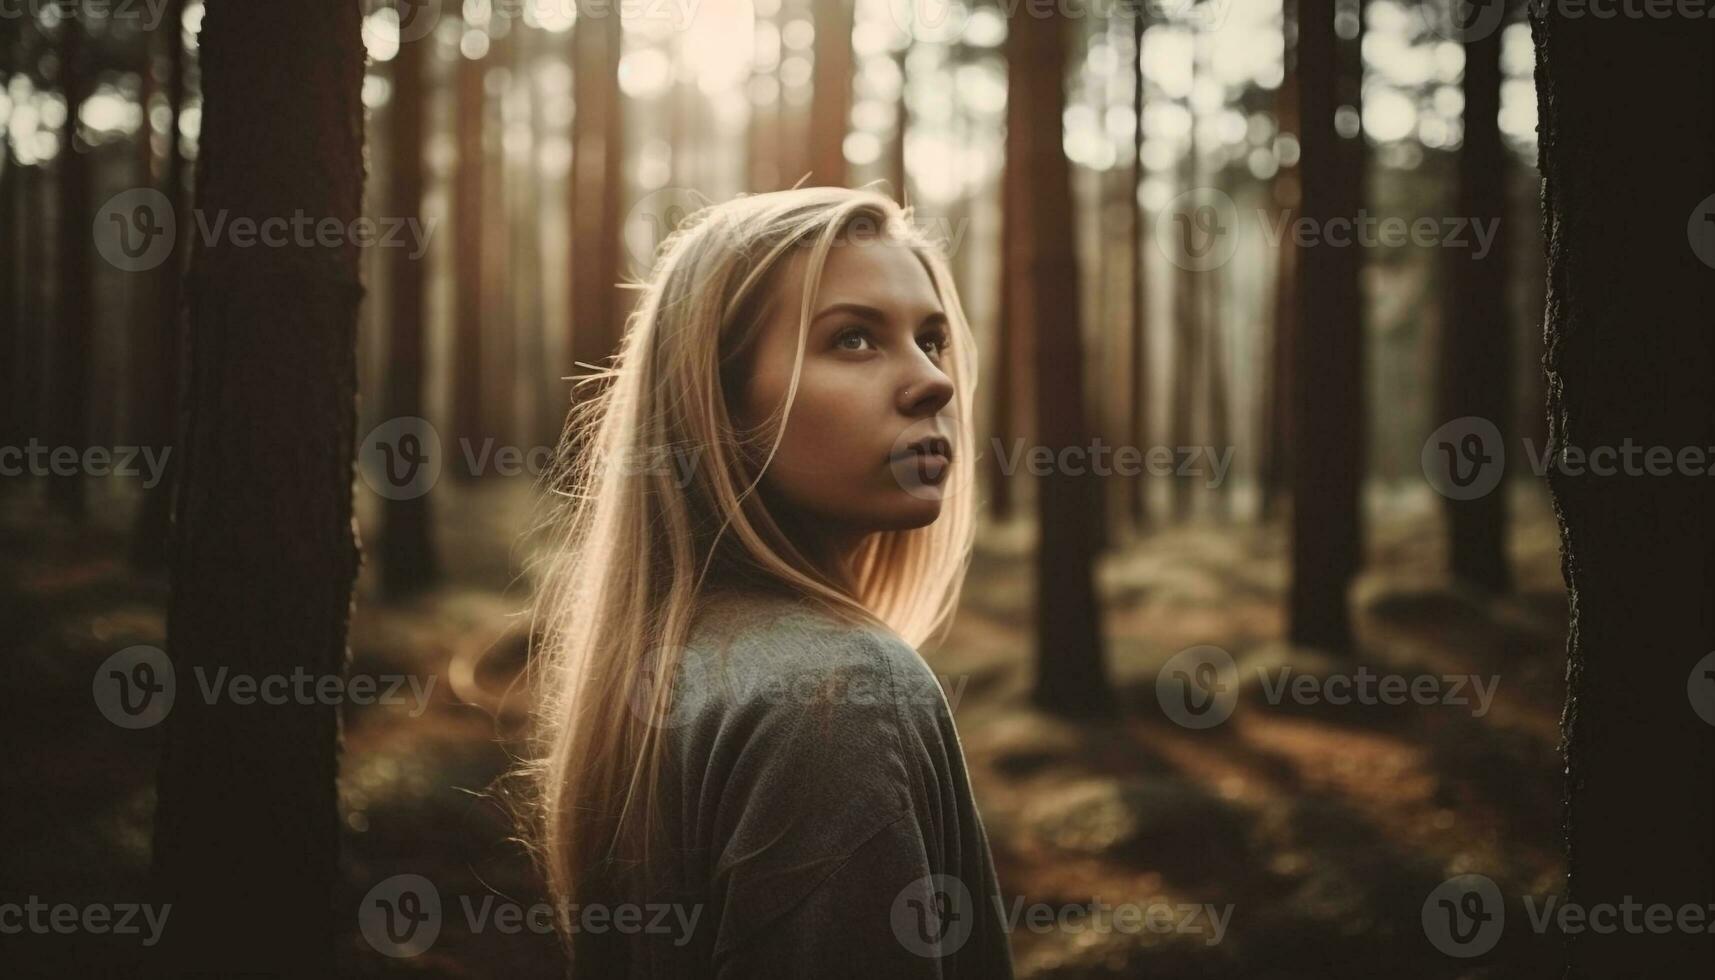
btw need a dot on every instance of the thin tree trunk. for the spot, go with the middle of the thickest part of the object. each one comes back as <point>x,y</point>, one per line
<point>902,125</point>
<point>467,360</point>
<point>407,554</point>
<point>1476,356</point>
<point>160,395</point>
<point>1187,349</point>
<point>1071,673</point>
<point>1327,368</point>
<point>597,188</point>
<point>831,91</point>
<point>1139,362</point>
<point>1630,358</point>
<point>247,825</point>
<point>74,348</point>
<point>1274,423</point>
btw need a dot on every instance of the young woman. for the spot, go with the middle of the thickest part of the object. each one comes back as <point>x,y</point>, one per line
<point>745,768</point>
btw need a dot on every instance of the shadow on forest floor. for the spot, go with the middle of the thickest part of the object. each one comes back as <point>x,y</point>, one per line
<point>1316,831</point>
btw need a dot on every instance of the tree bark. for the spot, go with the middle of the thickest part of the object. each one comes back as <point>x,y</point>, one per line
<point>1628,158</point>
<point>1327,458</point>
<point>247,828</point>
<point>1071,675</point>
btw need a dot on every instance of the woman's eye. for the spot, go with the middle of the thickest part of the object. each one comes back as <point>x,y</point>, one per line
<point>934,345</point>
<point>852,339</point>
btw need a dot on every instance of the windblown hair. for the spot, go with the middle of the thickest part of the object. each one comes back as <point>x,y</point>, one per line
<point>634,546</point>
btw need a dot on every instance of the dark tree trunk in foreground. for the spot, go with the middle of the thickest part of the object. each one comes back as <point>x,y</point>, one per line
<point>1476,356</point>
<point>407,555</point>
<point>247,828</point>
<point>1071,674</point>
<point>72,348</point>
<point>1628,162</point>
<point>831,92</point>
<point>1326,373</point>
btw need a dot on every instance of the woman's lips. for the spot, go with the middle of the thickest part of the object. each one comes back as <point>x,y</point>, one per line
<point>928,468</point>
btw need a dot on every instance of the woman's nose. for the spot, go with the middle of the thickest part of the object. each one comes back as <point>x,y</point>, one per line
<point>926,393</point>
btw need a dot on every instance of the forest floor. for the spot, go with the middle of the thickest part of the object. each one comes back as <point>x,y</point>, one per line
<point>1309,833</point>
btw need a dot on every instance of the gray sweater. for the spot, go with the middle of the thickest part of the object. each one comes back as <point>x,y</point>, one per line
<point>818,815</point>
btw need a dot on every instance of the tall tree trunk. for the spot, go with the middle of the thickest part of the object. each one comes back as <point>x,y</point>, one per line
<point>901,126</point>
<point>159,396</point>
<point>1476,332</point>
<point>470,105</point>
<point>74,347</point>
<point>1274,421</point>
<point>1626,170</point>
<point>831,91</point>
<point>1013,385</point>
<point>407,554</point>
<point>1139,362</point>
<point>1188,324</point>
<point>247,826</point>
<point>1071,672</point>
<point>597,185</point>
<point>1327,366</point>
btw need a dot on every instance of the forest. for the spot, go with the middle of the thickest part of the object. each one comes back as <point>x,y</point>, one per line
<point>1342,601</point>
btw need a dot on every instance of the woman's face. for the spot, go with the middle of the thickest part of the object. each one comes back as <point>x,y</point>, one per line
<point>868,442</point>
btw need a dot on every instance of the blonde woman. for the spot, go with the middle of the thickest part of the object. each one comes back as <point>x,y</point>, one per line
<point>745,767</point>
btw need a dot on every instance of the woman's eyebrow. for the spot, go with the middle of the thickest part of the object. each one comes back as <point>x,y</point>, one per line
<point>871,313</point>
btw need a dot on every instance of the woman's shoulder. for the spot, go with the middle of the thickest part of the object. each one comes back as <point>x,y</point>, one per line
<point>763,650</point>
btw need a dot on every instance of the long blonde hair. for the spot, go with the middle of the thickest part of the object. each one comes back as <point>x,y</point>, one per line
<point>622,571</point>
